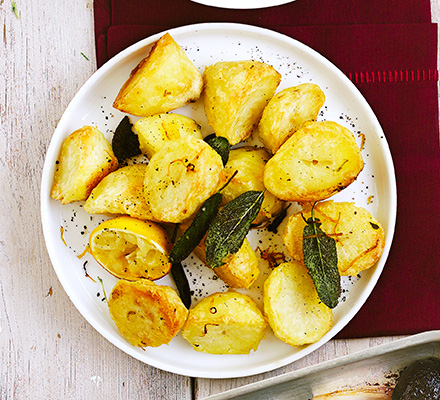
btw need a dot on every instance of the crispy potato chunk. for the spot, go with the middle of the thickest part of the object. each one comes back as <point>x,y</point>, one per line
<point>287,112</point>
<point>225,323</point>
<point>235,95</point>
<point>242,269</point>
<point>146,314</point>
<point>180,177</point>
<point>161,82</point>
<point>359,237</point>
<point>121,192</point>
<point>294,311</point>
<point>156,130</point>
<point>85,158</point>
<point>319,160</point>
<point>250,163</point>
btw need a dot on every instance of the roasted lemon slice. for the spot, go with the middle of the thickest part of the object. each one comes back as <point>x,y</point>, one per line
<point>131,249</point>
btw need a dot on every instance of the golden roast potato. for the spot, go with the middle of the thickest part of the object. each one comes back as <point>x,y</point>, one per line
<point>250,163</point>
<point>319,160</point>
<point>287,111</point>
<point>359,237</point>
<point>180,177</point>
<point>225,323</point>
<point>146,314</point>
<point>85,158</point>
<point>121,192</point>
<point>235,95</point>
<point>156,130</point>
<point>161,82</point>
<point>294,311</point>
<point>242,269</point>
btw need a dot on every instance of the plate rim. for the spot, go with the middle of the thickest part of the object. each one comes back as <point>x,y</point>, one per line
<point>236,5</point>
<point>245,28</point>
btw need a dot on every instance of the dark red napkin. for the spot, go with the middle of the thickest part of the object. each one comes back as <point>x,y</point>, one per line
<point>389,50</point>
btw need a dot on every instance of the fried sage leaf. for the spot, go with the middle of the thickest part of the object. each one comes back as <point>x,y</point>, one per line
<point>278,220</point>
<point>230,227</point>
<point>181,281</point>
<point>125,142</point>
<point>221,145</point>
<point>194,234</point>
<point>321,260</point>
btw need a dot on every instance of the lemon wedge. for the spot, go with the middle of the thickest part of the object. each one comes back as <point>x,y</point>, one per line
<point>131,249</point>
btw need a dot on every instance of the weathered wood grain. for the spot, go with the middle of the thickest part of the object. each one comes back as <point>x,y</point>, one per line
<point>47,349</point>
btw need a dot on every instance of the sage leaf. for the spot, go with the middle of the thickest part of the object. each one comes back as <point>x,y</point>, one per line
<point>220,144</point>
<point>182,284</point>
<point>321,261</point>
<point>278,220</point>
<point>197,230</point>
<point>230,226</point>
<point>125,142</point>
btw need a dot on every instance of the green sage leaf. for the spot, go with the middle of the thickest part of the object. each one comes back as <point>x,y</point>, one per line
<point>278,220</point>
<point>125,142</point>
<point>196,231</point>
<point>321,260</point>
<point>230,227</point>
<point>182,284</point>
<point>220,144</point>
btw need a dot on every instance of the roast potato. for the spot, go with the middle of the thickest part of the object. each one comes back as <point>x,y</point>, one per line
<point>225,323</point>
<point>249,162</point>
<point>235,95</point>
<point>85,158</point>
<point>294,311</point>
<point>242,269</point>
<point>359,237</point>
<point>287,111</point>
<point>121,192</point>
<point>156,130</point>
<point>180,177</point>
<point>319,160</point>
<point>146,314</point>
<point>161,82</point>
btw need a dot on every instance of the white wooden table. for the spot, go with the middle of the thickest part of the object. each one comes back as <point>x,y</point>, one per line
<point>47,349</point>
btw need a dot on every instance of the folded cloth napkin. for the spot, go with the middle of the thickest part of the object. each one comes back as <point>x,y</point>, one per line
<point>389,51</point>
<point>159,14</point>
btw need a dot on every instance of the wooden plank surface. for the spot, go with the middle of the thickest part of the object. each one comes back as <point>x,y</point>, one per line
<point>47,349</point>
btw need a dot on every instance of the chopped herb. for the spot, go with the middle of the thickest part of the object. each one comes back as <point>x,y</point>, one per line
<point>84,56</point>
<point>103,289</point>
<point>14,8</point>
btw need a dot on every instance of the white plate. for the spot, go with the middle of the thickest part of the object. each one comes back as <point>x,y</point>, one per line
<point>205,44</point>
<point>242,4</point>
